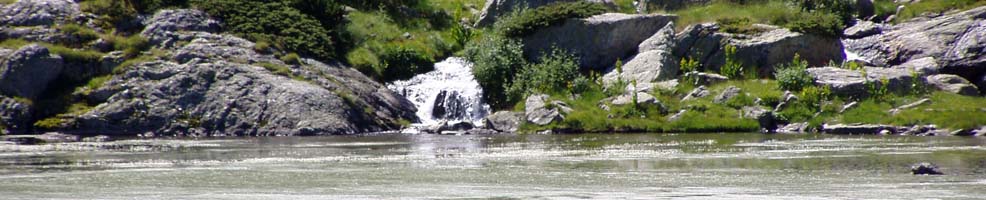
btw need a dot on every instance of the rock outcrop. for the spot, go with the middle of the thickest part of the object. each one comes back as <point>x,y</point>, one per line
<point>957,41</point>
<point>952,84</point>
<point>28,71</point>
<point>599,40</point>
<point>495,9</point>
<point>853,83</point>
<point>654,62</point>
<point>38,12</point>
<point>772,46</point>
<point>540,111</point>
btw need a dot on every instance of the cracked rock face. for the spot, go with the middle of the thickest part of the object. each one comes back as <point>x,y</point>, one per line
<point>38,12</point>
<point>957,41</point>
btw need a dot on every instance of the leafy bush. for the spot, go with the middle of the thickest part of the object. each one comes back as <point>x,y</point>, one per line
<point>814,96</point>
<point>553,73</point>
<point>794,76</point>
<point>496,60</point>
<point>820,23</point>
<point>400,63</point>
<point>527,21</point>
<point>842,9</point>
<point>306,33</point>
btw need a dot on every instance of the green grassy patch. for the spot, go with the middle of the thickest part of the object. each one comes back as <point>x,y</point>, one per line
<point>527,21</point>
<point>936,6</point>
<point>945,110</point>
<point>85,34</point>
<point>5,2</point>
<point>74,55</point>
<point>14,43</point>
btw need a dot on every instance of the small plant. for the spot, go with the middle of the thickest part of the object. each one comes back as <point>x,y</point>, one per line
<point>814,96</point>
<point>261,47</point>
<point>917,84</point>
<point>291,59</point>
<point>732,68</point>
<point>794,76</point>
<point>688,65</point>
<point>738,25</point>
<point>879,91</point>
<point>277,69</point>
<point>84,34</point>
<point>580,85</point>
<point>853,66</point>
<point>619,66</point>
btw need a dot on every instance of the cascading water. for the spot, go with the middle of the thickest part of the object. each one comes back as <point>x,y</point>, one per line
<point>449,93</point>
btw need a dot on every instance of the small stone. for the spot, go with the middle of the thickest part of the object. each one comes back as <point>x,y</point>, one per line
<point>926,169</point>
<point>726,95</point>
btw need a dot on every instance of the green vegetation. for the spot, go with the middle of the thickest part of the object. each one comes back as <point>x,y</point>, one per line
<point>131,46</point>
<point>85,34</point>
<point>554,72</point>
<point>280,70</point>
<point>932,6</point>
<point>946,110</point>
<point>496,60</point>
<point>738,17</point>
<point>793,76</point>
<point>13,43</point>
<point>733,68</point>
<point>524,22</point>
<point>5,2</point>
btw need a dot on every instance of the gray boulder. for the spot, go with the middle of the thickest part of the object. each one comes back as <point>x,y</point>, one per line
<point>15,115</point>
<point>765,118</point>
<point>853,83</point>
<point>958,41</point>
<point>540,111</point>
<point>702,78</point>
<point>28,71</point>
<point>505,121</point>
<point>727,94</point>
<point>167,27</point>
<point>953,84</point>
<point>654,62</point>
<point>627,99</point>
<point>794,128</point>
<point>494,9</point>
<point>863,29</point>
<point>38,12</point>
<point>696,93</point>
<point>598,41</point>
<point>765,50</point>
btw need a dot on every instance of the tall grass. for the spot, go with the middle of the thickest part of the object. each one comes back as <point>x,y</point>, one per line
<point>936,6</point>
<point>771,12</point>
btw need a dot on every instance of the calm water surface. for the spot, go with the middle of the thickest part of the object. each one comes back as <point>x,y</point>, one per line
<point>639,166</point>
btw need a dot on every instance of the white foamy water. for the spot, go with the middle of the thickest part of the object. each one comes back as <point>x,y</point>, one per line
<point>450,92</point>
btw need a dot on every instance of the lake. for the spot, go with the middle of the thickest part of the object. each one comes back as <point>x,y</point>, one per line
<point>583,166</point>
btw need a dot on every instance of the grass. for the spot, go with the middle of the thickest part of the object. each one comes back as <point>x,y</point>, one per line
<point>772,12</point>
<point>376,33</point>
<point>131,46</point>
<point>5,2</point>
<point>84,33</point>
<point>14,43</point>
<point>74,55</point>
<point>936,6</point>
<point>280,70</point>
<point>945,110</point>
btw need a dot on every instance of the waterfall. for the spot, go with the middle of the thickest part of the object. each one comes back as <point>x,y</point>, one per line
<point>448,93</point>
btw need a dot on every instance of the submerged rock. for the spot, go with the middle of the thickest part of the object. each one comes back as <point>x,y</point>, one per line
<point>599,41</point>
<point>926,169</point>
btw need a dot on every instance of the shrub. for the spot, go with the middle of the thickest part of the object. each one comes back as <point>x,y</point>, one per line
<point>496,60</point>
<point>280,70</point>
<point>820,23</point>
<point>739,25</point>
<point>267,21</point>
<point>794,76</point>
<point>400,63</point>
<point>814,96</point>
<point>552,74</point>
<point>261,47</point>
<point>580,85</point>
<point>291,59</point>
<point>732,68</point>
<point>131,46</point>
<point>75,55</point>
<point>85,34</point>
<point>527,21</point>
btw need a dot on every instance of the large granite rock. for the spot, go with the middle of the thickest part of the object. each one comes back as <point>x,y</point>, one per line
<point>495,9</point>
<point>28,71</point>
<point>600,40</point>
<point>853,83</point>
<point>538,110</point>
<point>765,50</point>
<point>958,41</point>
<point>654,62</point>
<point>38,12</point>
<point>505,121</point>
<point>953,84</point>
<point>170,26</point>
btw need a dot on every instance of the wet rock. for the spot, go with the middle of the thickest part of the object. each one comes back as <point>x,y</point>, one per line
<point>727,94</point>
<point>540,111</point>
<point>98,138</point>
<point>843,129</point>
<point>926,169</point>
<point>863,29</point>
<point>981,131</point>
<point>28,71</point>
<point>623,34</point>
<point>495,9</point>
<point>766,49</point>
<point>696,93</point>
<point>38,12</point>
<point>765,118</point>
<point>15,115</point>
<point>449,105</point>
<point>953,84</point>
<point>852,83</point>
<point>505,121</point>
<point>702,78</point>
<point>794,128</point>
<point>957,40</point>
<point>653,63</point>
